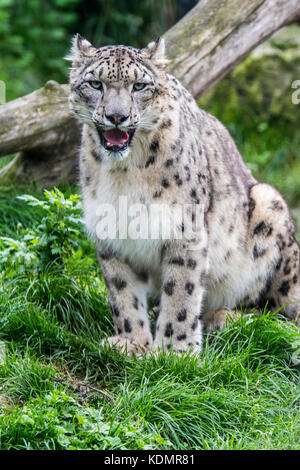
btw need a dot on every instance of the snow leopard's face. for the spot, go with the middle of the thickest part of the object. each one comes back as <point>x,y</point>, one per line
<point>114,91</point>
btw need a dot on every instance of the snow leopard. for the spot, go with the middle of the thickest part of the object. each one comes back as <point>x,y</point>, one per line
<point>176,216</point>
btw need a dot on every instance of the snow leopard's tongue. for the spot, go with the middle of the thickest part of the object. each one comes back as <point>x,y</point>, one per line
<point>116,137</point>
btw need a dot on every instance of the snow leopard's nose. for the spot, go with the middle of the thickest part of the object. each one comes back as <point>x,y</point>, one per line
<point>116,119</point>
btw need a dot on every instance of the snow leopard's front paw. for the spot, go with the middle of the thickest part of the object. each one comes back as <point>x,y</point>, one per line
<point>188,344</point>
<point>125,345</point>
<point>217,320</point>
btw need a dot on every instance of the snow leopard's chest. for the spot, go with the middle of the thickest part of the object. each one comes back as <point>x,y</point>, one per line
<point>123,215</point>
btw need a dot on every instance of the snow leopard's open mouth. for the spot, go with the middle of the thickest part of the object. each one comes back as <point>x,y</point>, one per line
<point>114,139</point>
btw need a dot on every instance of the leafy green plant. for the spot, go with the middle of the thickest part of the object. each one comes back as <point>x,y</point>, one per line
<point>60,422</point>
<point>53,240</point>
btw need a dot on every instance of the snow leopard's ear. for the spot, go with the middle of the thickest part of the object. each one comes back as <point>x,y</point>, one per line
<point>155,51</point>
<point>81,49</point>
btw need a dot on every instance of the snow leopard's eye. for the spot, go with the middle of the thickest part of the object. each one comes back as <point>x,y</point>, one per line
<point>96,84</point>
<point>138,86</point>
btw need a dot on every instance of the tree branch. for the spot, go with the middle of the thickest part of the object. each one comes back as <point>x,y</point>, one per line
<point>218,34</point>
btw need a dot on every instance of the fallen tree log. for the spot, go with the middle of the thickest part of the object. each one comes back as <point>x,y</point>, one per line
<point>218,34</point>
<point>39,125</point>
<point>202,47</point>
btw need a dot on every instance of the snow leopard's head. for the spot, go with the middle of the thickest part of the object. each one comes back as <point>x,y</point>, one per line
<point>115,90</point>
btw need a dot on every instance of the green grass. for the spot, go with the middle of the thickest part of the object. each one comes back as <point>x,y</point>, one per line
<point>241,392</point>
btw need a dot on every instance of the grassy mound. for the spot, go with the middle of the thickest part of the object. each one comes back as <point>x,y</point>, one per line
<point>61,389</point>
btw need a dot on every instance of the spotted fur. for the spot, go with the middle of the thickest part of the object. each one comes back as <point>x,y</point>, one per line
<point>243,251</point>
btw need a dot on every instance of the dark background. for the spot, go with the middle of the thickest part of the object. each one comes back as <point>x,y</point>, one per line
<point>35,35</point>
